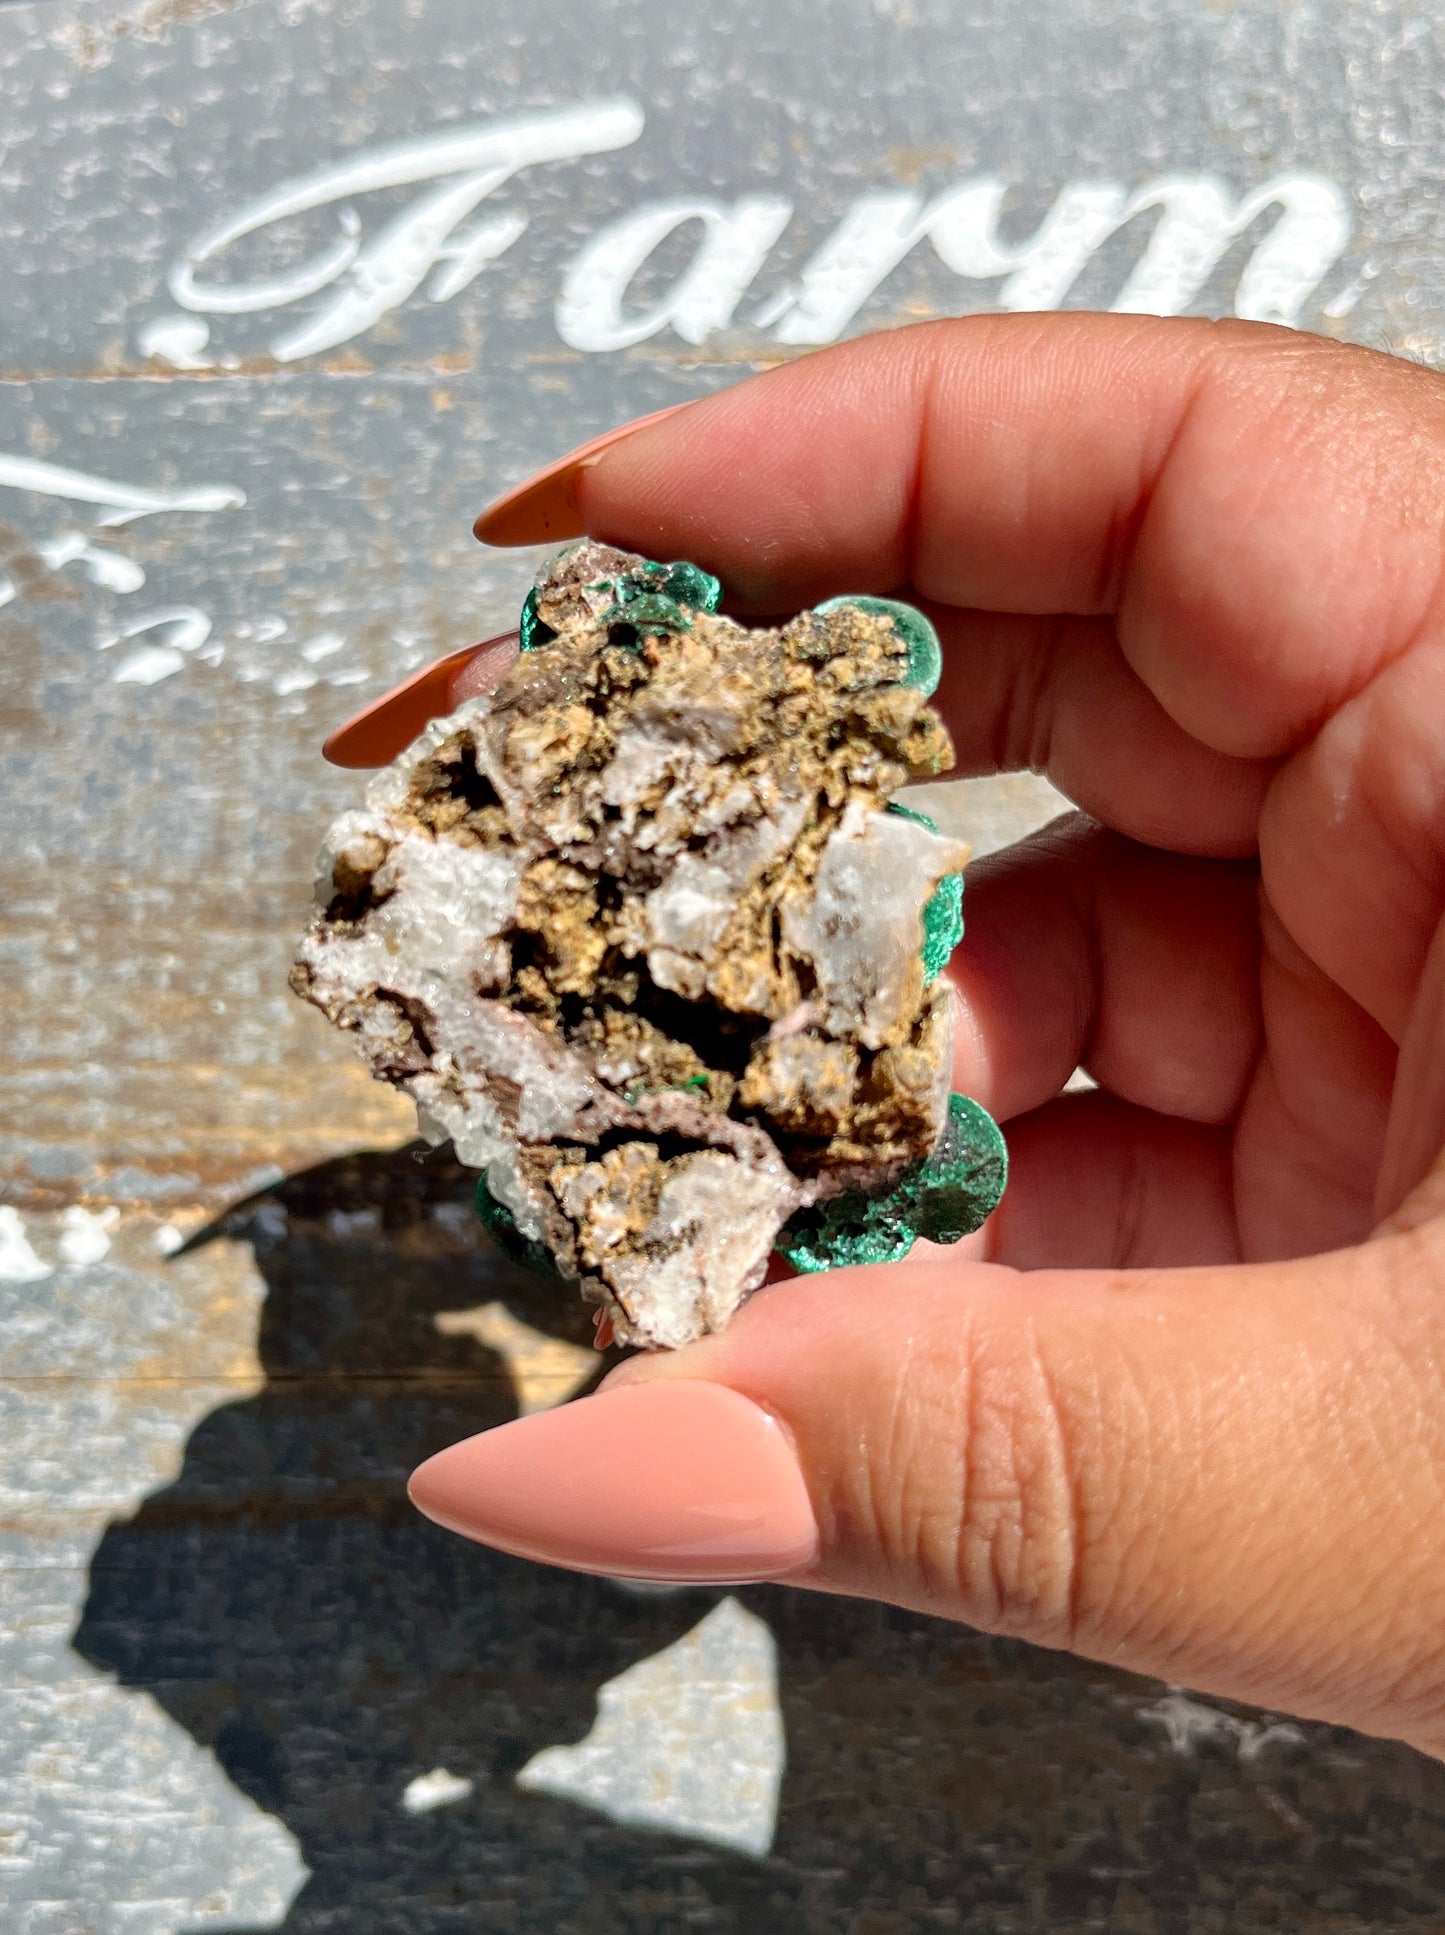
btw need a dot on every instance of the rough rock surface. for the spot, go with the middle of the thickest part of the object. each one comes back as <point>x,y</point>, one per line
<point>640,936</point>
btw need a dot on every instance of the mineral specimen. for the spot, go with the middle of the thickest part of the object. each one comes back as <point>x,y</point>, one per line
<point>642,935</point>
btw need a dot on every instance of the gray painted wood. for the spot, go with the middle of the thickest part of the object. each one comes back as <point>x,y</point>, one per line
<point>242,1685</point>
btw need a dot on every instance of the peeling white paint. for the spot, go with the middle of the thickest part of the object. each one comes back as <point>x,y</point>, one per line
<point>176,340</point>
<point>1187,1722</point>
<point>85,1234</point>
<point>185,627</point>
<point>324,645</point>
<point>376,276</point>
<point>735,242</point>
<point>18,1261</point>
<point>428,1792</point>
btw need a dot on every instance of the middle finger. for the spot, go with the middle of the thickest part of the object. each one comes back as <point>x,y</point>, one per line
<point>1085,949</point>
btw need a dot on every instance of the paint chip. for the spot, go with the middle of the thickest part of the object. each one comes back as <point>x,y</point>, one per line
<point>177,340</point>
<point>1188,1722</point>
<point>428,1792</point>
<point>18,1262</point>
<point>325,645</point>
<point>85,1236</point>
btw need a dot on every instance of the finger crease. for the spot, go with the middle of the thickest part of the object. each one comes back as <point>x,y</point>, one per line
<point>913,518</point>
<point>1121,540</point>
<point>1065,1513</point>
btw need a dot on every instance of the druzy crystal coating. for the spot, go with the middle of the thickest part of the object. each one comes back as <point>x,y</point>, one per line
<point>641,934</point>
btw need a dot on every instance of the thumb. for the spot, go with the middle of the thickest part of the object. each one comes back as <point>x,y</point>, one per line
<point>1229,1478</point>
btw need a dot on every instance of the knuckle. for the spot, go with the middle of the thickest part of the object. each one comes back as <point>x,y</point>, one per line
<point>1035,1531</point>
<point>1000,1479</point>
<point>1018,1535</point>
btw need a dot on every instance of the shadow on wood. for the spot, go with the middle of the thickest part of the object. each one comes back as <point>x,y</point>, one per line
<point>285,1605</point>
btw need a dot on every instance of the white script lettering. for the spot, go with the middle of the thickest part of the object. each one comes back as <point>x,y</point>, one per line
<point>1199,220</point>
<point>734,246</point>
<point>124,502</point>
<point>381,274</point>
<point>1291,231</point>
<point>112,570</point>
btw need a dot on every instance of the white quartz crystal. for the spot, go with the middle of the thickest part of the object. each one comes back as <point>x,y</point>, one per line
<point>860,926</point>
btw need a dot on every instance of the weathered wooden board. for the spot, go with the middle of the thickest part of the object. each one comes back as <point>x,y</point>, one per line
<point>244,428</point>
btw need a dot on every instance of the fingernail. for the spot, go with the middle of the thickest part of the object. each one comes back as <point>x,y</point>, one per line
<point>388,725</point>
<point>669,1481</point>
<point>547,506</point>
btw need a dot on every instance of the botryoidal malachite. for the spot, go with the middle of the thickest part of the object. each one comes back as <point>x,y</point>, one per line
<point>942,1199</point>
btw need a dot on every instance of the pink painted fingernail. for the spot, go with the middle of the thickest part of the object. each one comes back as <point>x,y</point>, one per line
<point>546,507</point>
<point>671,1481</point>
<point>375,735</point>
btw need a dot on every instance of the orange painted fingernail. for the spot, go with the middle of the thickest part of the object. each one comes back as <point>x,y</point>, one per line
<point>547,507</point>
<point>677,1480</point>
<point>388,725</point>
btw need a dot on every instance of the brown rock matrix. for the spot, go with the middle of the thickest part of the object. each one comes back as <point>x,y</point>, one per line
<point>639,935</point>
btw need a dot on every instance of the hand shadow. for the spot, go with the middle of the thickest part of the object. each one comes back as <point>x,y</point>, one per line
<point>284,1603</point>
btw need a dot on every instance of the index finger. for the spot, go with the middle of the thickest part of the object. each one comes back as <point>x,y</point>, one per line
<point>1256,509</point>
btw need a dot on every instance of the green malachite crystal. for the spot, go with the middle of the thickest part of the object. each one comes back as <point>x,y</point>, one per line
<point>647,611</point>
<point>656,599</point>
<point>941,1199</point>
<point>943,916</point>
<point>942,925</point>
<point>533,631</point>
<point>690,585</point>
<point>501,1226</point>
<point>925,654</point>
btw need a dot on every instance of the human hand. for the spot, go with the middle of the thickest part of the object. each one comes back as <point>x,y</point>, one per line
<point>1179,1405</point>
